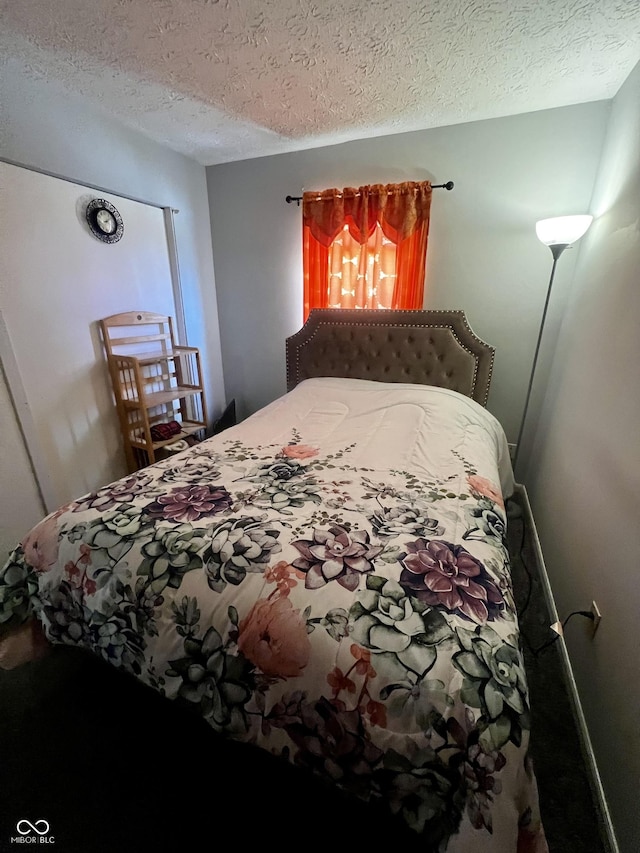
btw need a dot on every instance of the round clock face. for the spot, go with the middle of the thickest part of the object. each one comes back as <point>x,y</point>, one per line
<point>104,220</point>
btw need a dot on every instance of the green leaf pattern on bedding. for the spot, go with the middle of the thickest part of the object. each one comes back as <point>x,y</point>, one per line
<point>360,623</point>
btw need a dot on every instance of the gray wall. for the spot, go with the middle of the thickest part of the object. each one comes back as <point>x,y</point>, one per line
<point>483,253</point>
<point>584,474</point>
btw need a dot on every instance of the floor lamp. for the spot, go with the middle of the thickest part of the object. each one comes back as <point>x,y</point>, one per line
<point>557,234</point>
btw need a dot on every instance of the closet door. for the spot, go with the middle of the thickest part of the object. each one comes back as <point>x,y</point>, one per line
<point>57,280</point>
<point>20,504</point>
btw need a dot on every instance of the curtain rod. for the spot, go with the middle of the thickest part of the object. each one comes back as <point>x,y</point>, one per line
<point>298,198</point>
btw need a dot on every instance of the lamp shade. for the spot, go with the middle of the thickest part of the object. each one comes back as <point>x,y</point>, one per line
<point>562,230</point>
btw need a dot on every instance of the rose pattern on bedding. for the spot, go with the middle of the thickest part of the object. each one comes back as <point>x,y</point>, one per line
<point>363,629</point>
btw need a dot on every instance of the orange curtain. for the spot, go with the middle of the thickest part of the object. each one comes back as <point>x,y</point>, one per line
<point>366,247</point>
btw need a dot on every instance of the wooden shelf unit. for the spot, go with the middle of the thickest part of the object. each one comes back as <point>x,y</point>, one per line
<point>154,381</point>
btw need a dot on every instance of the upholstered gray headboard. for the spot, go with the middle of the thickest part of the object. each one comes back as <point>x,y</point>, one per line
<point>421,347</point>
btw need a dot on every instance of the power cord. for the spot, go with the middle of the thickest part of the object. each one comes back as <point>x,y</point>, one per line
<point>527,599</point>
<point>586,613</point>
<point>523,609</point>
<point>518,515</point>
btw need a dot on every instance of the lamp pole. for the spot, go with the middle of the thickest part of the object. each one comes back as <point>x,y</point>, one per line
<point>557,233</point>
<point>556,250</point>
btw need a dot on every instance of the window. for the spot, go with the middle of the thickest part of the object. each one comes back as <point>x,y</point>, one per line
<point>366,247</point>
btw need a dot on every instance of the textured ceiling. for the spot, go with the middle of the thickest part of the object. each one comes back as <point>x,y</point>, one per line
<point>223,80</point>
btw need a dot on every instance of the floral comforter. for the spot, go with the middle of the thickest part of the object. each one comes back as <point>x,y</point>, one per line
<point>328,580</point>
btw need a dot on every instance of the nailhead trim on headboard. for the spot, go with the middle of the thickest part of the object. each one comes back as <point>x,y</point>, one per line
<point>461,339</point>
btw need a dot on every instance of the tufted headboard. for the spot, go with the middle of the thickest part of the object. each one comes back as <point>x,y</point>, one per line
<point>421,347</point>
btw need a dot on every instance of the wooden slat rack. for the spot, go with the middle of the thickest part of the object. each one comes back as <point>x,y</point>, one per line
<point>154,381</point>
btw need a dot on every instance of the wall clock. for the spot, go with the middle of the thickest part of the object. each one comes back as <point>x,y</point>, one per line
<point>104,220</point>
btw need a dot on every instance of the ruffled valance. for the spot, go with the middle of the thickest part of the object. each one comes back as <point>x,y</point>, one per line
<point>399,209</point>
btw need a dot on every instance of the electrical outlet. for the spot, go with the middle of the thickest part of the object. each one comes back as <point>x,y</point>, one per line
<point>597,616</point>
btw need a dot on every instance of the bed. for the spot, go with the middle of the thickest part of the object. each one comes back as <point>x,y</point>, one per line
<point>326,582</point>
